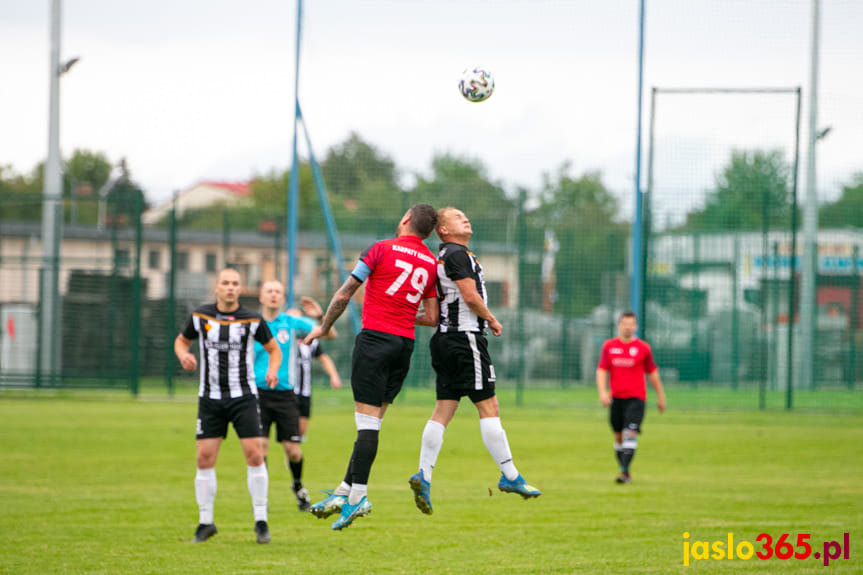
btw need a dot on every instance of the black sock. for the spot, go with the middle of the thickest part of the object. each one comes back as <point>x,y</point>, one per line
<point>297,472</point>
<point>618,454</point>
<point>349,471</point>
<point>365,450</point>
<point>626,458</point>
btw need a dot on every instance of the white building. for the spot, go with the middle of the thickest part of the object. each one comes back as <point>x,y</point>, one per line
<point>201,195</point>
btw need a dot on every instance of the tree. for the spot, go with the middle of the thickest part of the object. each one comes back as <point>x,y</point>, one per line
<point>581,212</point>
<point>20,195</point>
<point>464,183</point>
<point>269,198</point>
<point>569,203</point>
<point>85,172</point>
<point>126,200</point>
<point>847,211</point>
<point>363,185</point>
<point>751,181</point>
<point>353,164</point>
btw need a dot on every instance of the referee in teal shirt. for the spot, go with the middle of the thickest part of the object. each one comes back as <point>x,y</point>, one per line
<point>279,406</point>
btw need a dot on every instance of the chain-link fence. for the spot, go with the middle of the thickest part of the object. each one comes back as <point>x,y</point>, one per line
<point>722,174</point>
<point>126,289</point>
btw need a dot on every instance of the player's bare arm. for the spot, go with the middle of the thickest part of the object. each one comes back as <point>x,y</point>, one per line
<point>471,297</point>
<point>312,309</point>
<point>275,361</point>
<point>602,387</point>
<point>181,350</point>
<point>337,307</point>
<point>429,314</point>
<point>656,384</point>
<point>330,368</point>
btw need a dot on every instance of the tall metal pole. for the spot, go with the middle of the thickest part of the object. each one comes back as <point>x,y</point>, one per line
<point>810,223</point>
<point>172,297</point>
<point>51,194</point>
<point>135,311</point>
<point>635,294</point>
<point>294,183</point>
<point>521,377</point>
<point>646,214</point>
<point>735,315</point>
<point>854,317</point>
<point>765,246</point>
<point>792,268</point>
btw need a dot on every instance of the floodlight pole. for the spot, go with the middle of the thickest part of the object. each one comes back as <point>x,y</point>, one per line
<point>294,182</point>
<point>635,292</point>
<point>51,194</point>
<point>789,373</point>
<point>809,269</point>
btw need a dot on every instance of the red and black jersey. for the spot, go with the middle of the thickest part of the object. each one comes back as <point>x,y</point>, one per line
<point>627,363</point>
<point>401,272</point>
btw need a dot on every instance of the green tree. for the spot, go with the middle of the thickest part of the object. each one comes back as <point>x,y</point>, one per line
<point>125,199</point>
<point>84,175</point>
<point>353,164</point>
<point>581,212</point>
<point>750,181</point>
<point>362,182</point>
<point>847,211</point>
<point>20,194</point>
<point>464,183</point>
<point>269,200</point>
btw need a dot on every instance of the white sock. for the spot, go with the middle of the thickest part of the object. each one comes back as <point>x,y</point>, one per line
<point>358,491</point>
<point>495,441</point>
<point>259,483</point>
<point>343,489</point>
<point>432,442</point>
<point>205,493</point>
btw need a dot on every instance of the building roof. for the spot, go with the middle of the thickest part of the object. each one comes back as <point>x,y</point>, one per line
<point>241,189</point>
<point>236,191</point>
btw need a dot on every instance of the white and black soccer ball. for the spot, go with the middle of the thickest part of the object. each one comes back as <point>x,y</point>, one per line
<point>476,84</point>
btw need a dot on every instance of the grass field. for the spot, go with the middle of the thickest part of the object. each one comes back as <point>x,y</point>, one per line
<point>96,485</point>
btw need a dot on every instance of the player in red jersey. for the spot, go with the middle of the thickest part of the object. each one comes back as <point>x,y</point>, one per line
<point>626,359</point>
<point>401,274</point>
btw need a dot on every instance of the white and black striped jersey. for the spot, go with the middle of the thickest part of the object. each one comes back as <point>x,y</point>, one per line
<point>227,353</point>
<point>456,262</point>
<point>304,365</point>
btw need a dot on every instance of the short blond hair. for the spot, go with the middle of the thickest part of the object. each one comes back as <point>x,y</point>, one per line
<point>277,282</point>
<point>229,270</point>
<point>441,218</point>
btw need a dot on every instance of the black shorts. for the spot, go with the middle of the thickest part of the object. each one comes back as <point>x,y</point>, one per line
<point>626,412</point>
<point>380,364</point>
<point>215,414</point>
<point>462,365</point>
<point>280,407</point>
<point>304,403</point>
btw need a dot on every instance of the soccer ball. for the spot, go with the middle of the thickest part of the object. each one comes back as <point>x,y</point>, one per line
<point>476,84</point>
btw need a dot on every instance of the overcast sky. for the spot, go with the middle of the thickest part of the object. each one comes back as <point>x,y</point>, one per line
<point>203,89</point>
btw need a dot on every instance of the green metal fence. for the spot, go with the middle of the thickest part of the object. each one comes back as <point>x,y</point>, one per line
<point>722,199</point>
<point>126,289</point>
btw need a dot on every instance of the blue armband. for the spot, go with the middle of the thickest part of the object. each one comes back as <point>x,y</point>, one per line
<point>361,271</point>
